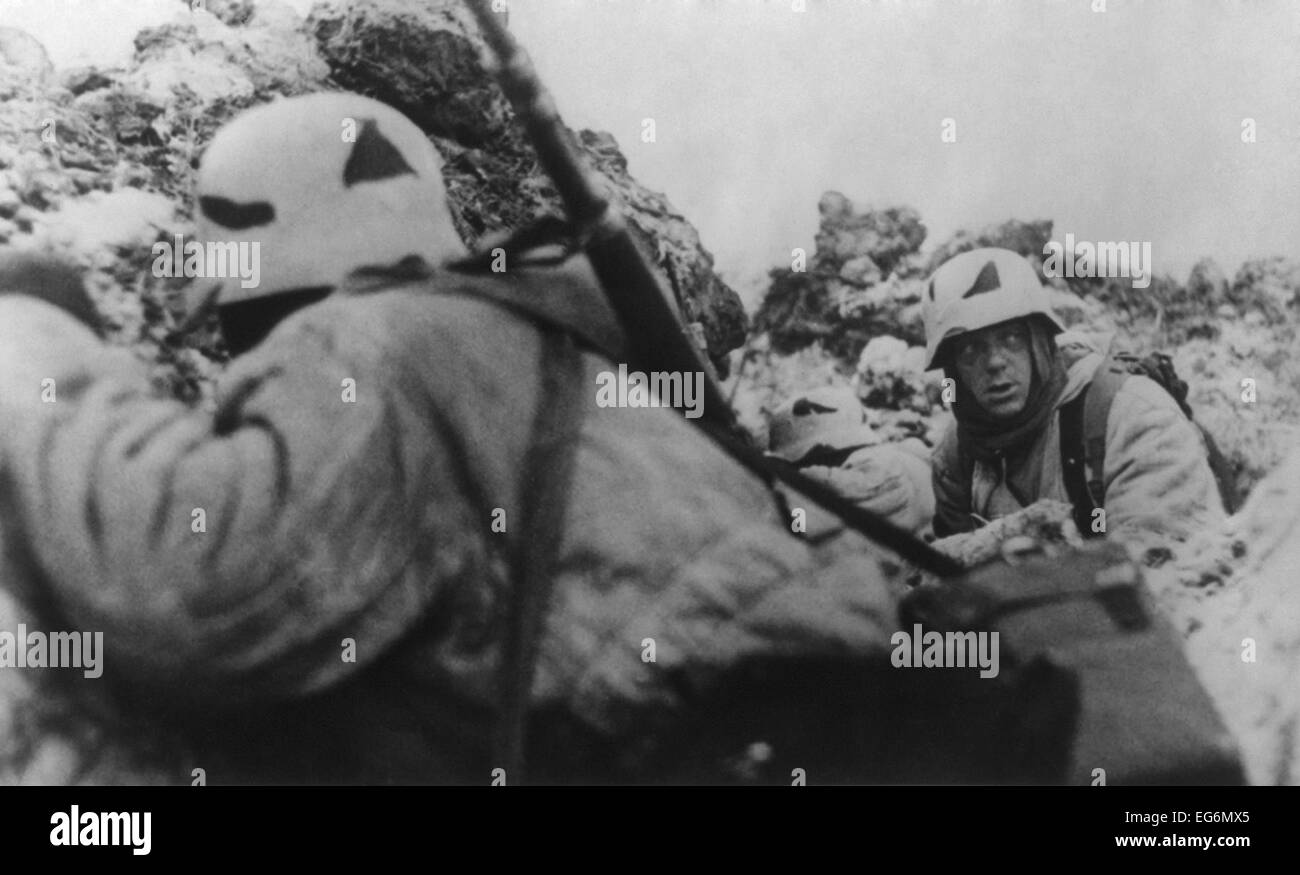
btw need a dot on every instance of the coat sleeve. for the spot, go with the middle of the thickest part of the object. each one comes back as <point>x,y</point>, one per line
<point>1158,482</point>
<point>224,558</point>
<point>951,495</point>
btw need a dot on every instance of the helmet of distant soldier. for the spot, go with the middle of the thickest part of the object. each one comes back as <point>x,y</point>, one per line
<point>828,416</point>
<point>977,289</point>
<point>324,183</point>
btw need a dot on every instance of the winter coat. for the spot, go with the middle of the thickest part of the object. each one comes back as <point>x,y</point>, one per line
<point>1158,483</point>
<point>887,480</point>
<point>343,493</point>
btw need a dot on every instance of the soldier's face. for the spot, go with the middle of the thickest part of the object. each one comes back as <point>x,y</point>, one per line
<point>996,366</point>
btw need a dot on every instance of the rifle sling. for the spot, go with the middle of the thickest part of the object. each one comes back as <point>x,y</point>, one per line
<point>535,545</point>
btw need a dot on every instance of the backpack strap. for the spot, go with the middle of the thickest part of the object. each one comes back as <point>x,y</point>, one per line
<point>1083,441</point>
<point>1110,375</point>
<point>1072,467</point>
<point>960,466</point>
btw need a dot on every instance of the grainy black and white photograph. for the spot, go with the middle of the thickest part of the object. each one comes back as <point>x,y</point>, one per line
<point>614,392</point>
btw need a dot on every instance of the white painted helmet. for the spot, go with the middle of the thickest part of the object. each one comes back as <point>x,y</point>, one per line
<point>977,289</point>
<point>324,183</point>
<point>828,416</point>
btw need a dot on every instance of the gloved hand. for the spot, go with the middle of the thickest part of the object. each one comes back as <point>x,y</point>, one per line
<point>51,279</point>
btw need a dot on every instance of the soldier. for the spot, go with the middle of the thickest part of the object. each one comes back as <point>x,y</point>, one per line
<point>824,432</point>
<point>322,565</point>
<point>1016,437</point>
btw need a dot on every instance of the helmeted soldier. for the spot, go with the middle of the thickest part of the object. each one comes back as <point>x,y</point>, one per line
<point>990,327</point>
<point>823,431</point>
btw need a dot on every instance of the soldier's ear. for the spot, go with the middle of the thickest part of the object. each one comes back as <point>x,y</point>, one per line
<point>51,279</point>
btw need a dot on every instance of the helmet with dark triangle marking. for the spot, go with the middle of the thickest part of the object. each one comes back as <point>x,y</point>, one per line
<point>977,289</point>
<point>325,184</point>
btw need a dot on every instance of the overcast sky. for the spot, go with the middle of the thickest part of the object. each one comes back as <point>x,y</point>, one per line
<point>1119,125</point>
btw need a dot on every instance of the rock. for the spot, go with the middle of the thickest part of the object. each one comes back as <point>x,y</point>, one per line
<point>425,59</point>
<point>892,376</point>
<point>1270,286</point>
<point>24,63</point>
<point>860,271</point>
<point>201,59</point>
<point>883,355</point>
<point>841,302</point>
<point>235,13</point>
<point>672,244</point>
<point>9,202</point>
<point>1207,281</point>
<point>124,219</point>
<point>1027,238</point>
<point>883,236</point>
<point>83,79</point>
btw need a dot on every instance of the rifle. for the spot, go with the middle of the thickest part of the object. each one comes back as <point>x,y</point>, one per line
<point>657,341</point>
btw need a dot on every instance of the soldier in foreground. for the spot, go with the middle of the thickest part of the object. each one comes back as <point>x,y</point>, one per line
<point>320,577</point>
<point>1021,413</point>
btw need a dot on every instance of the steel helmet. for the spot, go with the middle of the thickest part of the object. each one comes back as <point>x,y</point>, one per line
<point>977,289</point>
<point>325,183</point>
<point>829,416</point>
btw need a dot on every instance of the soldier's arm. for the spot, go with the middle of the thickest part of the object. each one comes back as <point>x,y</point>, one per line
<point>224,558</point>
<point>1158,482</point>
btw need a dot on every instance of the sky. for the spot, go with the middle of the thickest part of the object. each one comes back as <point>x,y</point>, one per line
<point>1122,124</point>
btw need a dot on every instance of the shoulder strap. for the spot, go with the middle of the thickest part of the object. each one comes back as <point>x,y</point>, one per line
<point>548,467</point>
<point>1072,467</point>
<point>1083,441</point>
<point>960,465</point>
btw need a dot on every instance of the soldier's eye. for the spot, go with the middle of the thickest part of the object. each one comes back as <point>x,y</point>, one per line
<point>968,352</point>
<point>1014,338</point>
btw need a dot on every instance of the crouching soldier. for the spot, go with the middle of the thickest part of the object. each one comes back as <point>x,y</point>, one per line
<point>824,432</point>
<point>1028,426</point>
<point>328,565</point>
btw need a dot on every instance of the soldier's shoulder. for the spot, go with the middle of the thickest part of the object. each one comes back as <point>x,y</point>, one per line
<point>1140,394</point>
<point>944,456</point>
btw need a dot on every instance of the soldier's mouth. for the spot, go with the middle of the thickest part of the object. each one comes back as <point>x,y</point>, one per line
<point>1001,391</point>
